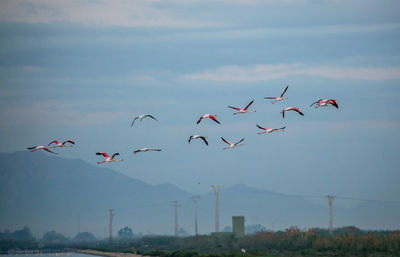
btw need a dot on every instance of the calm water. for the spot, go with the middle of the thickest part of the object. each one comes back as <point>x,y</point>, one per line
<point>47,255</point>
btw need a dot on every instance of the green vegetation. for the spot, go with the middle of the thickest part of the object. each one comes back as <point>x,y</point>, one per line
<point>84,237</point>
<point>125,232</point>
<point>348,241</point>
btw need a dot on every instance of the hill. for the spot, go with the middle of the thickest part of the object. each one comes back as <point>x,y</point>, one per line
<point>48,192</point>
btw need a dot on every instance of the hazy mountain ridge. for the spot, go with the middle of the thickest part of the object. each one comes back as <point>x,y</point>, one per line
<point>49,192</point>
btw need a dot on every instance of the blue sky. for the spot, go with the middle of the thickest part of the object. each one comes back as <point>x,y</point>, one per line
<point>82,70</point>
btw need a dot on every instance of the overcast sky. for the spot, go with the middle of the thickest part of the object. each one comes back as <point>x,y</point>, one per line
<point>82,70</point>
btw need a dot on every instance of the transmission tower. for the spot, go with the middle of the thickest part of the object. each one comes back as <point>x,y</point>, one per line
<point>330,202</point>
<point>216,188</point>
<point>111,214</point>
<point>175,204</point>
<point>195,200</point>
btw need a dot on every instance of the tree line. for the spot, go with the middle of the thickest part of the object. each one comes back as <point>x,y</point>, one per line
<point>346,241</point>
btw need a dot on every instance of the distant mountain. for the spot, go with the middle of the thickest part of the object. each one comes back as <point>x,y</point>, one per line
<point>48,192</point>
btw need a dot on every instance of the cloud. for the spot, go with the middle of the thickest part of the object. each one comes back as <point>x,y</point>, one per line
<point>359,73</point>
<point>175,13</point>
<point>383,124</point>
<point>131,13</point>
<point>266,72</point>
<point>53,113</point>
<point>285,32</point>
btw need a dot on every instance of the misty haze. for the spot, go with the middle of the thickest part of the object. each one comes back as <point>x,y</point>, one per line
<point>199,128</point>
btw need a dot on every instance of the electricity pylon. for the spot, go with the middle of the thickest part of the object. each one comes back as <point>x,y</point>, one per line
<point>330,202</point>
<point>195,200</point>
<point>216,188</point>
<point>111,213</point>
<point>175,204</point>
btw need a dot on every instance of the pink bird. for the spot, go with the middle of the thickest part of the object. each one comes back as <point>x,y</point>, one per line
<point>291,109</point>
<point>277,99</point>
<point>242,110</point>
<point>58,144</point>
<point>325,102</point>
<point>268,130</point>
<point>108,158</point>
<point>38,147</point>
<point>208,116</point>
<point>232,145</point>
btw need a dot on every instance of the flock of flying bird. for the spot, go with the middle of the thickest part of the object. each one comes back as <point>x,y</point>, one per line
<point>316,104</point>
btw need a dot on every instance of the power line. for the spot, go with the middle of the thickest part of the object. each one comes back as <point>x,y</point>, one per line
<point>320,197</point>
<point>367,200</point>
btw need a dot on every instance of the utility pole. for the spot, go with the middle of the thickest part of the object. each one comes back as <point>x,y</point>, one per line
<point>175,204</point>
<point>111,214</point>
<point>216,188</point>
<point>195,200</point>
<point>330,202</point>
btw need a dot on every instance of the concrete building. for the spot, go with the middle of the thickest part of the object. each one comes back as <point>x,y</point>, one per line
<point>238,226</point>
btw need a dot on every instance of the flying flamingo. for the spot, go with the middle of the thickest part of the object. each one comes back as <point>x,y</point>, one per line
<point>38,147</point>
<point>242,110</point>
<point>198,136</point>
<point>232,145</point>
<point>325,102</point>
<point>58,144</point>
<point>146,150</point>
<point>277,99</point>
<point>268,130</point>
<point>141,117</point>
<point>208,116</point>
<point>108,158</point>
<point>291,109</point>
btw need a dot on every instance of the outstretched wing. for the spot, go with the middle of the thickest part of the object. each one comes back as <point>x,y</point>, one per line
<point>284,91</point>
<point>190,138</point>
<point>31,148</point>
<point>148,115</point>
<point>234,108</point>
<point>239,141</point>
<point>53,142</point>
<point>270,97</point>
<point>278,129</point>
<point>226,141</point>
<point>298,110</point>
<point>258,126</point>
<point>333,102</point>
<point>205,140</point>
<point>314,103</point>
<point>134,120</point>
<point>200,119</point>
<point>48,150</point>
<point>249,105</point>
<point>214,119</point>
<point>102,153</point>
<point>114,155</point>
<point>68,141</point>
